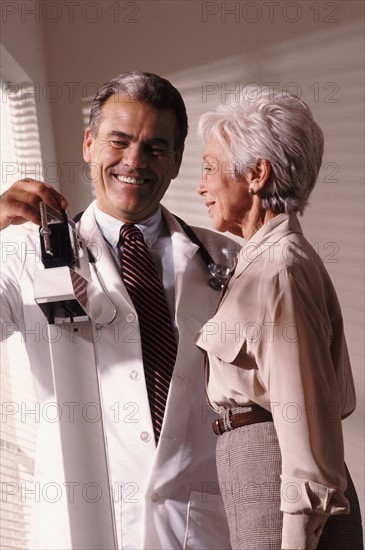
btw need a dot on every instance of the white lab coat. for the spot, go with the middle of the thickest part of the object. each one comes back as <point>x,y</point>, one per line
<point>166,498</point>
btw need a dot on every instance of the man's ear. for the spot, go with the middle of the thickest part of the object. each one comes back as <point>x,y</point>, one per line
<point>178,155</point>
<point>86,147</point>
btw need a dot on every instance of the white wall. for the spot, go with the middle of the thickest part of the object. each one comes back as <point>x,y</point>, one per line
<point>23,61</point>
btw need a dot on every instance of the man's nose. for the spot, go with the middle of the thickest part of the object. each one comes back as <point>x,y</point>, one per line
<point>134,156</point>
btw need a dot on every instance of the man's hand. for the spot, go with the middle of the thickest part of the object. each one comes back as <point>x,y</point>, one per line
<point>20,203</point>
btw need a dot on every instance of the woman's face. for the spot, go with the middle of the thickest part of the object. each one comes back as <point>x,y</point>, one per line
<point>227,199</point>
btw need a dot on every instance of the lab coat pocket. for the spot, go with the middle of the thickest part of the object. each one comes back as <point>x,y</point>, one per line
<point>206,523</point>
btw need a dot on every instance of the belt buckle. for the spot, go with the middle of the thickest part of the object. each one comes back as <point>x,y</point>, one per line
<point>217,430</point>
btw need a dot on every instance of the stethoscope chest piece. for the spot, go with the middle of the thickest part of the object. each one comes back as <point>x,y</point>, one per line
<point>220,274</point>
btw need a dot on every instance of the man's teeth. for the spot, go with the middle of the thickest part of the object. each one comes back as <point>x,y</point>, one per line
<point>136,181</point>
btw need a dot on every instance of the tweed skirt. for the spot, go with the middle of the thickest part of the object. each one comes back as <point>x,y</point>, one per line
<point>249,467</point>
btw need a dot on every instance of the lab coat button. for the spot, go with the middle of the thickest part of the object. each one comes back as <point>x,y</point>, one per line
<point>135,375</point>
<point>145,436</point>
<point>155,497</point>
<point>130,317</point>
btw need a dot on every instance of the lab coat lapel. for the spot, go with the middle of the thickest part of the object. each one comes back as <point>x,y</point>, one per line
<point>105,264</point>
<point>183,252</point>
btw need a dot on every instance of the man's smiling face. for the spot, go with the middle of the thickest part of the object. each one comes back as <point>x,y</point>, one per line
<point>132,158</point>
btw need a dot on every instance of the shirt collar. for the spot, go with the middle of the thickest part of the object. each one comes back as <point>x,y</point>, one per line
<point>273,229</point>
<point>269,234</point>
<point>110,227</point>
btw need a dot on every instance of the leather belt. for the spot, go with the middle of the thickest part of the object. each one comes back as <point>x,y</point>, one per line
<point>254,416</point>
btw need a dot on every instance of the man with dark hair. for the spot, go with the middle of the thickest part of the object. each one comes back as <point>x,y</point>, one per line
<point>161,448</point>
<point>145,88</point>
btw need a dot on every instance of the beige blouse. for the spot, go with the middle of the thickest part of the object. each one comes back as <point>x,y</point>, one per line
<point>277,340</point>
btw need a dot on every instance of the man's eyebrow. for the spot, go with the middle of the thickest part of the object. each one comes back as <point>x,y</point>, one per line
<point>122,135</point>
<point>152,141</point>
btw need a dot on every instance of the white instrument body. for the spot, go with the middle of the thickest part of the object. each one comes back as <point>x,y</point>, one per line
<point>77,388</point>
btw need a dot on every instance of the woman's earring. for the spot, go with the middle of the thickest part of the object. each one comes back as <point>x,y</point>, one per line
<point>251,191</point>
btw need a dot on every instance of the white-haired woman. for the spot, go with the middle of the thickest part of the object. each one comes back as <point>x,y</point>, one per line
<point>277,367</point>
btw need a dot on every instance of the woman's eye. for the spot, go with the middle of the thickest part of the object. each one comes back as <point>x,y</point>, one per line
<point>208,168</point>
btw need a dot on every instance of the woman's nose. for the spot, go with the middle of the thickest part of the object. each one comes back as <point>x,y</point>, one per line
<point>201,189</point>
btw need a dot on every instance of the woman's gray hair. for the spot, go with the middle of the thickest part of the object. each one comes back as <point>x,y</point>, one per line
<point>277,127</point>
<point>146,88</point>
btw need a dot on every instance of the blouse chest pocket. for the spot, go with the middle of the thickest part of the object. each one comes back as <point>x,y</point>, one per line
<point>226,338</point>
<point>234,331</point>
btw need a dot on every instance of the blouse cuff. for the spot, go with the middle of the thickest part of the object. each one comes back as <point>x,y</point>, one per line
<point>300,496</point>
<point>306,506</point>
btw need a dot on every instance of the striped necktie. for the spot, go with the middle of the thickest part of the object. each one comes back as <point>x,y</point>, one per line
<point>141,279</point>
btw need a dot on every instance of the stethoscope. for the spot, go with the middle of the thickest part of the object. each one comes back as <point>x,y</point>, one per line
<point>219,273</point>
